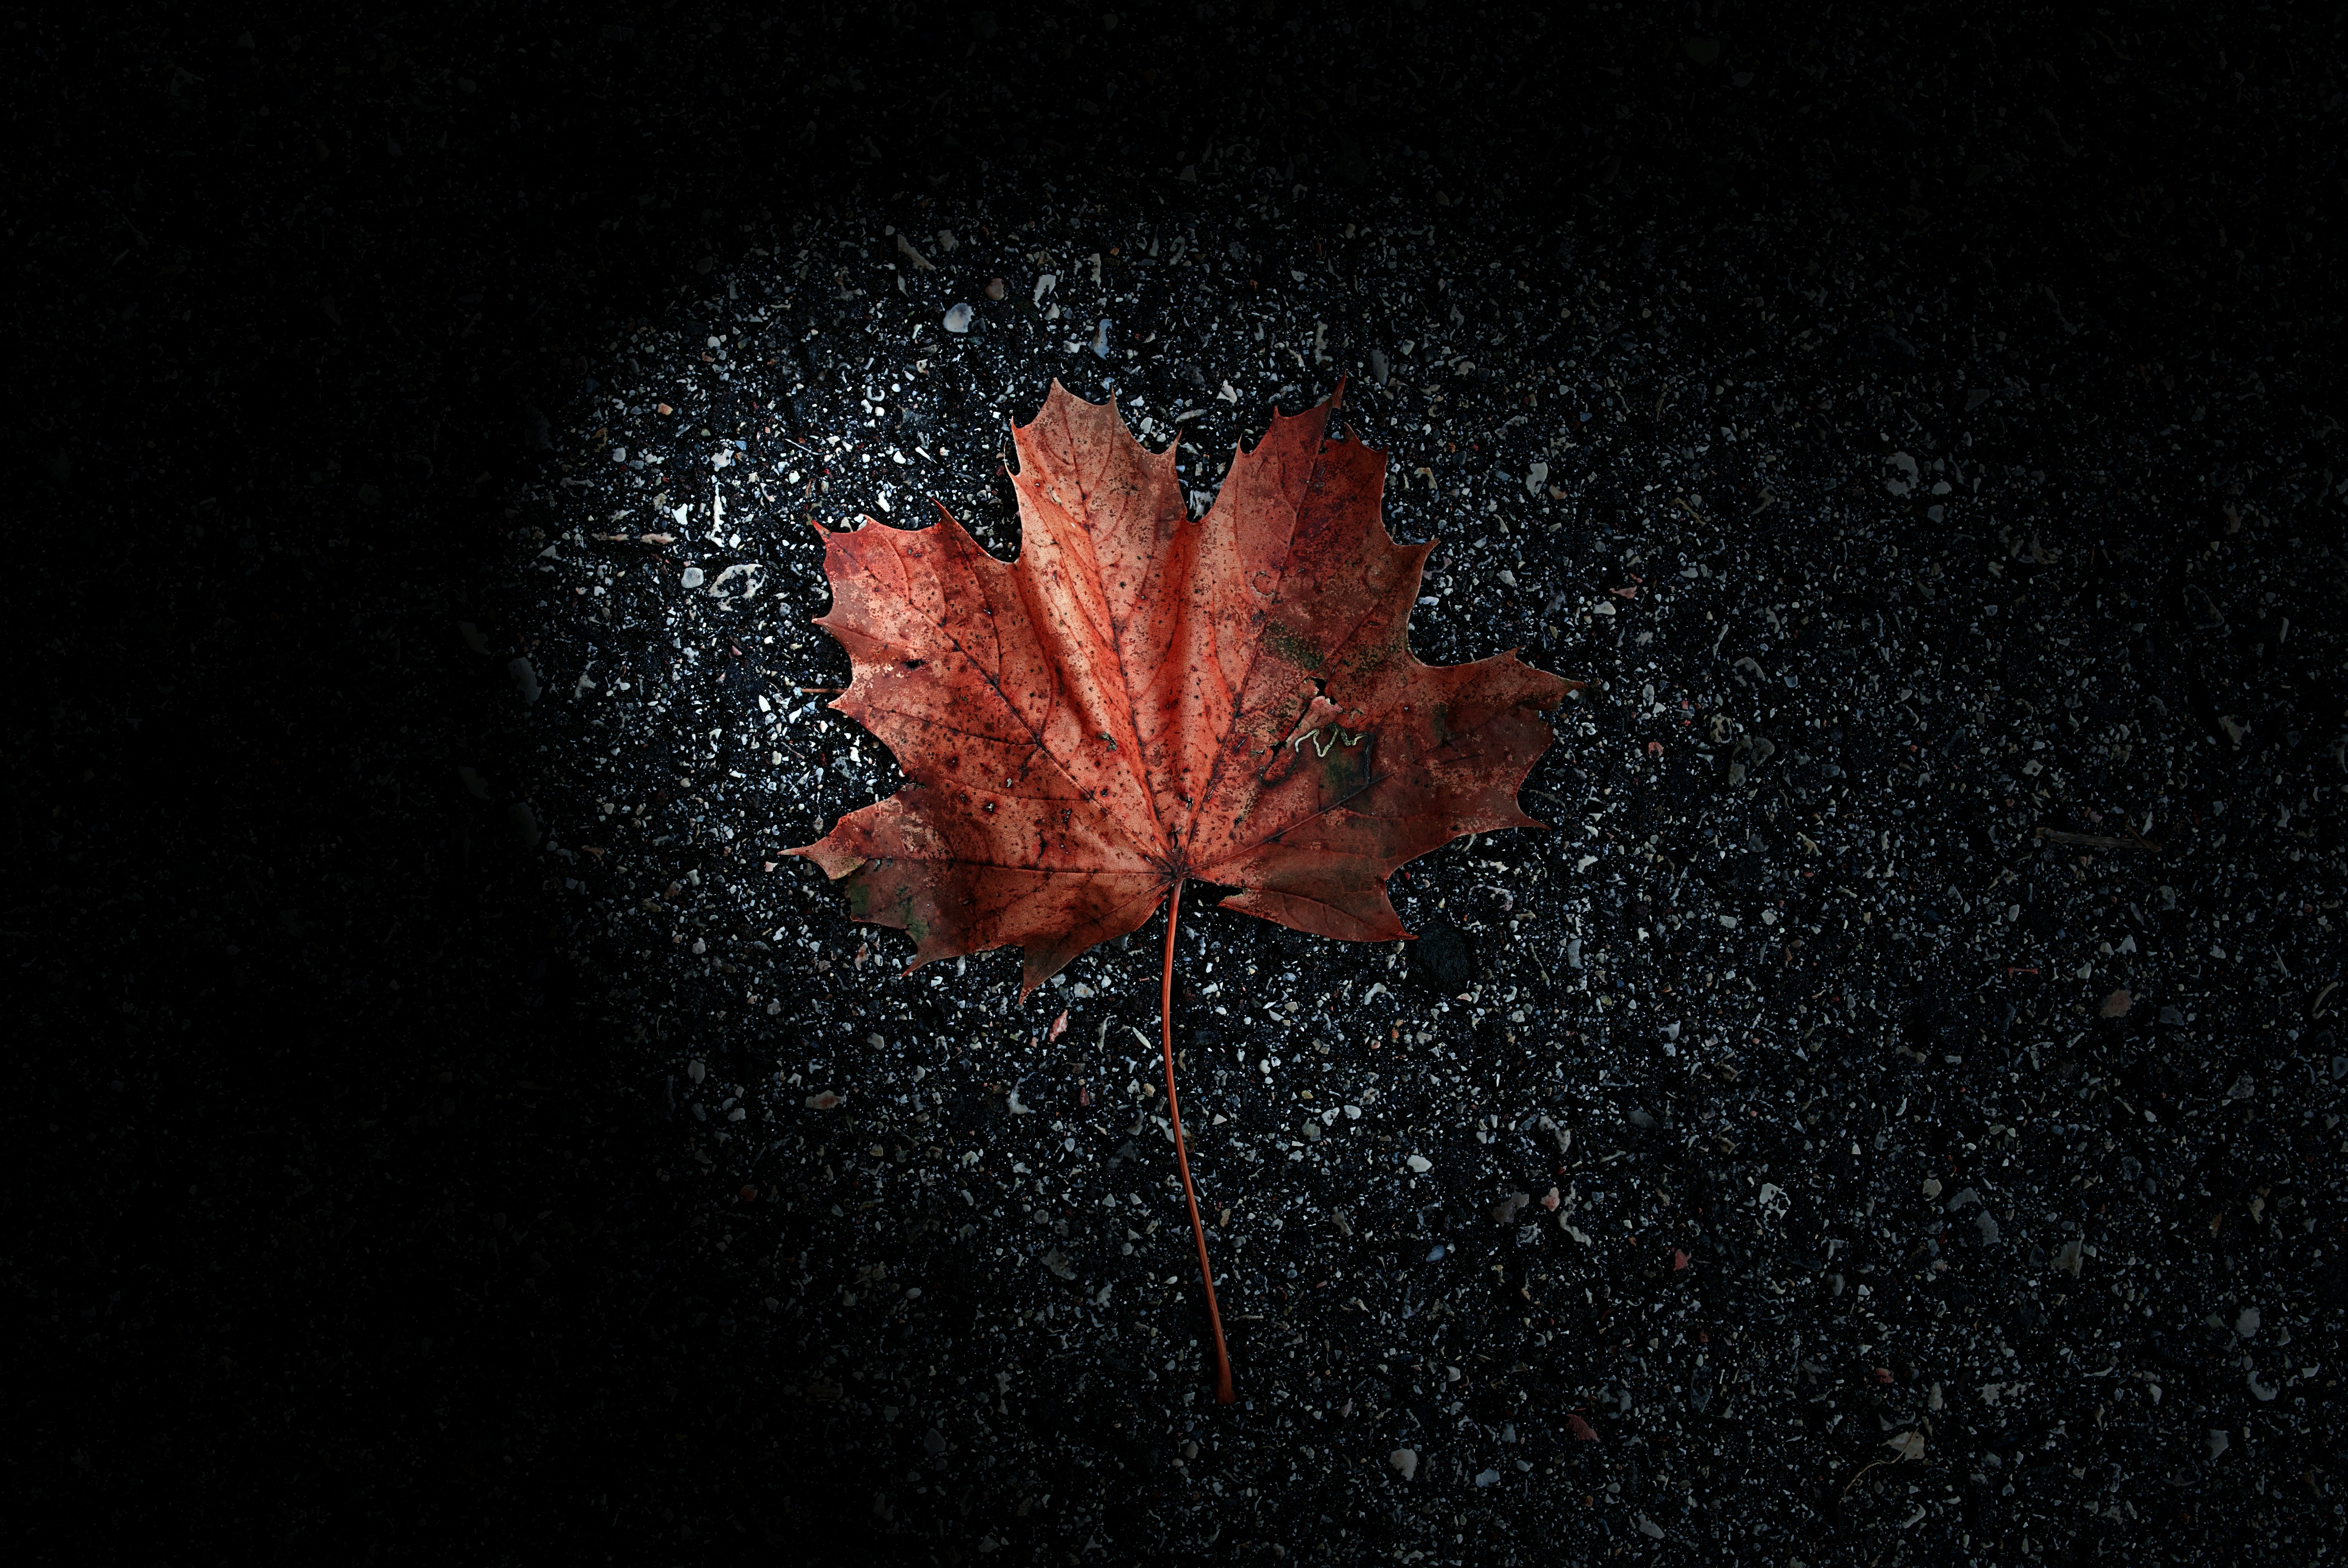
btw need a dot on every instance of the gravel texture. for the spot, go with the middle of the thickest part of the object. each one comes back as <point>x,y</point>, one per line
<point>1891,1116</point>
<point>1797,1094</point>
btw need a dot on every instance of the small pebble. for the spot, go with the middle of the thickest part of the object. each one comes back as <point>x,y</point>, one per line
<point>737,583</point>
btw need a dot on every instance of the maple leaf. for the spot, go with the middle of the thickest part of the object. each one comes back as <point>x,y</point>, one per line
<point>1141,700</point>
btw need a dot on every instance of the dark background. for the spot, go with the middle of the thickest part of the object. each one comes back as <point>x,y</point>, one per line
<point>297,296</point>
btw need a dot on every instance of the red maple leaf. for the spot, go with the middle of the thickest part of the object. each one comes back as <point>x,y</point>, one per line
<point>1141,699</point>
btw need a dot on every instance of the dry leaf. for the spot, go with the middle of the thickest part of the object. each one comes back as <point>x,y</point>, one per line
<point>1140,701</point>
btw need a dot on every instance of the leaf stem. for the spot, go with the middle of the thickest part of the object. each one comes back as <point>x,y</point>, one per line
<point>1223,1395</point>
